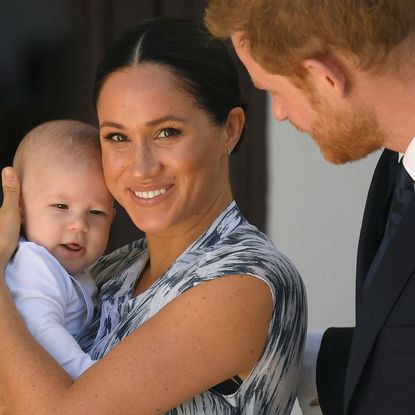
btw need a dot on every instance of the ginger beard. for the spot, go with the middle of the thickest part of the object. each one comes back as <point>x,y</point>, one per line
<point>346,135</point>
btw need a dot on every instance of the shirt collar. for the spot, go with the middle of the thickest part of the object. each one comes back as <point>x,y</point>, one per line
<point>409,159</point>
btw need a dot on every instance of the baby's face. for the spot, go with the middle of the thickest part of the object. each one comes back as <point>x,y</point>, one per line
<point>68,210</point>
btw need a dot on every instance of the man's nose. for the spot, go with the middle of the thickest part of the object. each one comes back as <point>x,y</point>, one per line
<point>278,111</point>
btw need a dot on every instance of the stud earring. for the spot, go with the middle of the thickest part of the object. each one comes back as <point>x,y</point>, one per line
<point>229,151</point>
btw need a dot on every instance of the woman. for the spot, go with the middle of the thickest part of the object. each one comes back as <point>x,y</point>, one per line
<point>203,316</point>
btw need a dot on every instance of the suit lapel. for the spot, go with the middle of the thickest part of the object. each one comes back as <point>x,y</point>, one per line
<point>375,216</point>
<point>388,283</point>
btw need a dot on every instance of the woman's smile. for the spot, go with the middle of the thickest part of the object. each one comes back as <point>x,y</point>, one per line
<point>150,194</point>
<point>152,197</point>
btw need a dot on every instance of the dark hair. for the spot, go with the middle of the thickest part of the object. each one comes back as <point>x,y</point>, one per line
<point>201,62</point>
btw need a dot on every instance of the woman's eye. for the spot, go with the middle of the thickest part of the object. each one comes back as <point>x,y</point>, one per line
<point>61,206</point>
<point>168,132</point>
<point>115,137</point>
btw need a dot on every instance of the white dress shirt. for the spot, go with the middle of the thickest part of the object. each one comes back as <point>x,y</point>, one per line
<point>409,159</point>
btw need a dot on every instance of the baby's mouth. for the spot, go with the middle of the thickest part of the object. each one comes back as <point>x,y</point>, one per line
<point>74,247</point>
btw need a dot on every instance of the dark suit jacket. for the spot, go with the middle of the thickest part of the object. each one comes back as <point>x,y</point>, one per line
<point>370,370</point>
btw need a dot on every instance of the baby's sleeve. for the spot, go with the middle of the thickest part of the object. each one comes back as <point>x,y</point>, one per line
<point>42,291</point>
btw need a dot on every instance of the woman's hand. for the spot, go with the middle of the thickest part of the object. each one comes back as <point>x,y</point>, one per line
<point>3,408</point>
<point>9,215</point>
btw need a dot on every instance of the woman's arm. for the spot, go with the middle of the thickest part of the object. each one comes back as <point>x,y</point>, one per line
<point>163,363</point>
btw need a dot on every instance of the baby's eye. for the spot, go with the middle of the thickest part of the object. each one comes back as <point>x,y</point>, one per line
<point>169,132</point>
<point>96,212</point>
<point>61,206</point>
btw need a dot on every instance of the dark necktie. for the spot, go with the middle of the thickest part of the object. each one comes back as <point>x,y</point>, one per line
<point>403,193</point>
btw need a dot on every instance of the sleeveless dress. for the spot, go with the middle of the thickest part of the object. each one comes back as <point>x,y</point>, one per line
<point>229,246</point>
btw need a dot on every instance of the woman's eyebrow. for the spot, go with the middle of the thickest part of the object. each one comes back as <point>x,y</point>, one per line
<point>110,124</point>
<point>154,122</point>
<point>165,118</point>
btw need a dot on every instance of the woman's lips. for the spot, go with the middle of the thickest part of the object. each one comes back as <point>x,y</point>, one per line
<point>151,196</point>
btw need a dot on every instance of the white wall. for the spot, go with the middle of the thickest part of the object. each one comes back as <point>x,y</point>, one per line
<point>314,216</point>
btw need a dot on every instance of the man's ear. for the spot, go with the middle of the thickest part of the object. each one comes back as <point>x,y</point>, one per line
<point>326,76</point>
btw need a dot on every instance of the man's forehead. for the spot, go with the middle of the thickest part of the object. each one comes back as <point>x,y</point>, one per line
<point>255,70</point>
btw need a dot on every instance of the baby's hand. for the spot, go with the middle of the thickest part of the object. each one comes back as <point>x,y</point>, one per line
<point>9,215</point>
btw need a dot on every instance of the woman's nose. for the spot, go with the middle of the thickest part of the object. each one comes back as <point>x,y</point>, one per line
<point>146,162</point>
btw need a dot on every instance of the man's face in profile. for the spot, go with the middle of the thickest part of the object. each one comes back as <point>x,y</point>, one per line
<point>344,131</point>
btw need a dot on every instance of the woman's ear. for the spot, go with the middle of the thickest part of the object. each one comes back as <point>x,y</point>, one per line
<point>327,77</point>
<point>233,128</point>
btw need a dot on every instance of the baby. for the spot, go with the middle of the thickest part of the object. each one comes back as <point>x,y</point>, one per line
<point>66,213</point>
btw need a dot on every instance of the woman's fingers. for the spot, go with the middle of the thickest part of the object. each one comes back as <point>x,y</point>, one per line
<point>9,214</point>
<point>3,408</point>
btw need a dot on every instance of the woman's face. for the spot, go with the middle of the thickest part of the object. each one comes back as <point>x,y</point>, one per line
<point>164,160</point>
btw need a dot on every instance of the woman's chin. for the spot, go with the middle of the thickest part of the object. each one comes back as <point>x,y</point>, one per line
<point>151,226</point>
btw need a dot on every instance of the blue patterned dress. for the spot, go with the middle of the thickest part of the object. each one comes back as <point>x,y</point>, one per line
<point>229,246</point>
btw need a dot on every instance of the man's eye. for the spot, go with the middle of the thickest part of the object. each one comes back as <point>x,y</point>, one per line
<point>169,132</point>
<point>61,206</point>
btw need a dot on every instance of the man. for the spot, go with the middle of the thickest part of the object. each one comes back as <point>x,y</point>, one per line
<point>344,72</point>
